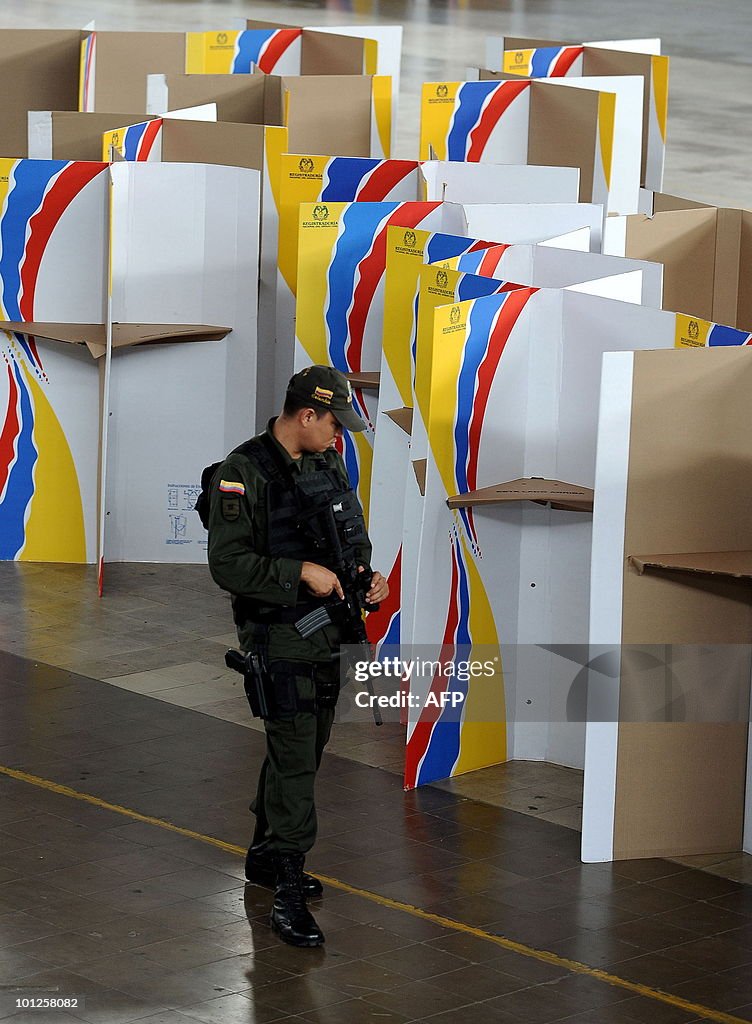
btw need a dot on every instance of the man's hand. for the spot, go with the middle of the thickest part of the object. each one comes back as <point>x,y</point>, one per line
<point>379,590</point>
<point>320,581</point>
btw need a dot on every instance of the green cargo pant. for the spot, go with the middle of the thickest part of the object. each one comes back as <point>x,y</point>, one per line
<point>284,805</point>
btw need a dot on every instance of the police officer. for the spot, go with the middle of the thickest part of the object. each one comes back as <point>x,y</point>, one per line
<point>258,552</point>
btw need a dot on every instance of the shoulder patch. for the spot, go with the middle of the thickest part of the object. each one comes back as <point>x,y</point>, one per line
<point>231,487</point>
<point>231,509</point>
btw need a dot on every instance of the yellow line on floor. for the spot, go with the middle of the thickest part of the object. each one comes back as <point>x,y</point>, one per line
<point>542,955</point>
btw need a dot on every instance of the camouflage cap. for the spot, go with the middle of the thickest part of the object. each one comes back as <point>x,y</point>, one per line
<point>326,388</point>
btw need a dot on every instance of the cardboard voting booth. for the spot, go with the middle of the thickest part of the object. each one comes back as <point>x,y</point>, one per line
<point>321,180</point>
<point>53,218</point>
<point>184,249</point>
<point>705,250</point>
<point>316,179</point>
<point>520,431</point>
<point>114,65</point>
<point>624,188</point>
<point>73,135</point>
<point>671,609</point>
<point>333,112</point>
<point>43,67</point>
<point>535,122</point>
<point>339,312</point>
<point>400,432</point>
<point>273,48</point>
<point>539,58</point>
<point>167,237</point>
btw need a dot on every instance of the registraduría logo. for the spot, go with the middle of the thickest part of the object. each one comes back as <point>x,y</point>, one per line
<point>321,212</point>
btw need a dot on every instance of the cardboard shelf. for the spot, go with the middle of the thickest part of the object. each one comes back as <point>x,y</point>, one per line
<point>402,417</point>
<point>123,335</point>
<point>367,380</point>
<point>556,493</point>
<point>420,468</point>
<point>735,565</point>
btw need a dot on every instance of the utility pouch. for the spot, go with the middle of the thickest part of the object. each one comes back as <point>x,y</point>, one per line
<point>327,692</point>
<point>286,702</point>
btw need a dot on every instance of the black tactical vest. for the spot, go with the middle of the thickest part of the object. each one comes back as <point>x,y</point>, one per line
<point>295,504</point>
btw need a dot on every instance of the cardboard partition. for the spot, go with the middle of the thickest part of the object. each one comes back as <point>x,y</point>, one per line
<point>622,161</point>
<point>320,180</point>
<point>249,99</point>
<point>535,58</point>
<point>72,135</point>
<point>114,67</point>
<point>672,429</point>
<point>395,448</point>
<point>451,182</point>
<point>536,418</point>
<point>393,439</point>
<point>53,267</point>
<point>274,50</point>
<point>339,309</point>
<point>182,141</point>
<point>705,252</point>
<point>335,113</point>
<point>41,69</point>
<point>533,222</point>
<point>522,122</point>
<point>184,249</point>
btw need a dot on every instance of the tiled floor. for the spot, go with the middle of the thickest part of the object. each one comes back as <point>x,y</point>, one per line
<point>151,925</point>
<point>162,631</point>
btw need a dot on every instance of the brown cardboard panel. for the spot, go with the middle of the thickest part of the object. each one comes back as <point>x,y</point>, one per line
<point>528,43</point>
<point>41,70</point>
<point>564,131</point>
<point>571,497</point>
<point>684,241</point>
<point>369,380</point>
<point>663,203</point>
<point>124,59</point>
<point>619,62</point>
<point>78,136</point>
<point>267,24</point>
<point>402,417</point>
<point>744,309</point>
<point>689,489</point>
<point>734,564</point>
<point>330,114</point>
<point>420,468</point>
<point>677,788</point>
<point>274,100</point>
<point>239,98</point>
<point>210,142</point>
<point>727,267</point>
<point>323,53</point>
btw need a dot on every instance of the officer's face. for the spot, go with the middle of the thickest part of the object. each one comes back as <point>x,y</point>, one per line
<point>322,432</point>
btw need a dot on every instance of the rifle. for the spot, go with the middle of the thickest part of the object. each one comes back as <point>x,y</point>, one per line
<point>355,583</point>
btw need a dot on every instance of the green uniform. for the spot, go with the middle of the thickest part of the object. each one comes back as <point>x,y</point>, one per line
<point>238,530</point>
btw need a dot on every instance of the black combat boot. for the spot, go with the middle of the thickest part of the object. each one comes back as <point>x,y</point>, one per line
<point>290,918</point>
<point>261,869</point>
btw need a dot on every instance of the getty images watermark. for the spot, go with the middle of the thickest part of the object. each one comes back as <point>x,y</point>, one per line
<point>565,683</point>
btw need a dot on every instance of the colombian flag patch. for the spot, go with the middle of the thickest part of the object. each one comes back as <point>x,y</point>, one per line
<point>231,487</point>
